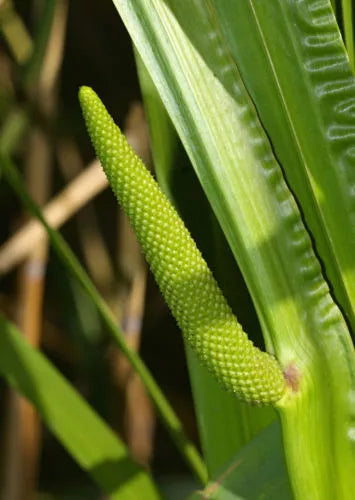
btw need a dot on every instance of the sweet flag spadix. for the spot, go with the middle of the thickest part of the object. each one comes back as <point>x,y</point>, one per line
<point>186,282</point>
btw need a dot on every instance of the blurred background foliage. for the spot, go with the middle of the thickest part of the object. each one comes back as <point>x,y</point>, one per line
<point>97,52</point>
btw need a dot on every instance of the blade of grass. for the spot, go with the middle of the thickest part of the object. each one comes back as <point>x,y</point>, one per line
<point>86,437</point>
<point>167,414</point>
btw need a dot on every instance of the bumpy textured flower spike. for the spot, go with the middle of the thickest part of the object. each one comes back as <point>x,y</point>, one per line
<point>183,276</point>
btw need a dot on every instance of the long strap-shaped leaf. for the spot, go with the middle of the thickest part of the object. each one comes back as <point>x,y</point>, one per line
<point>257,471</point>
<point>185,280</point>
<point>86,437</point>
<point>233,159</point>
<point>306,100</point>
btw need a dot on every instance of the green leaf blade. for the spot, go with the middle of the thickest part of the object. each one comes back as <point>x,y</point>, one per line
<point>263,459</point>
<point>306,77</point>
<point>86,437</point>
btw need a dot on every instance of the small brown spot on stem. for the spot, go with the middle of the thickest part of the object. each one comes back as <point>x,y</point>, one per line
<point>292,376</point>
